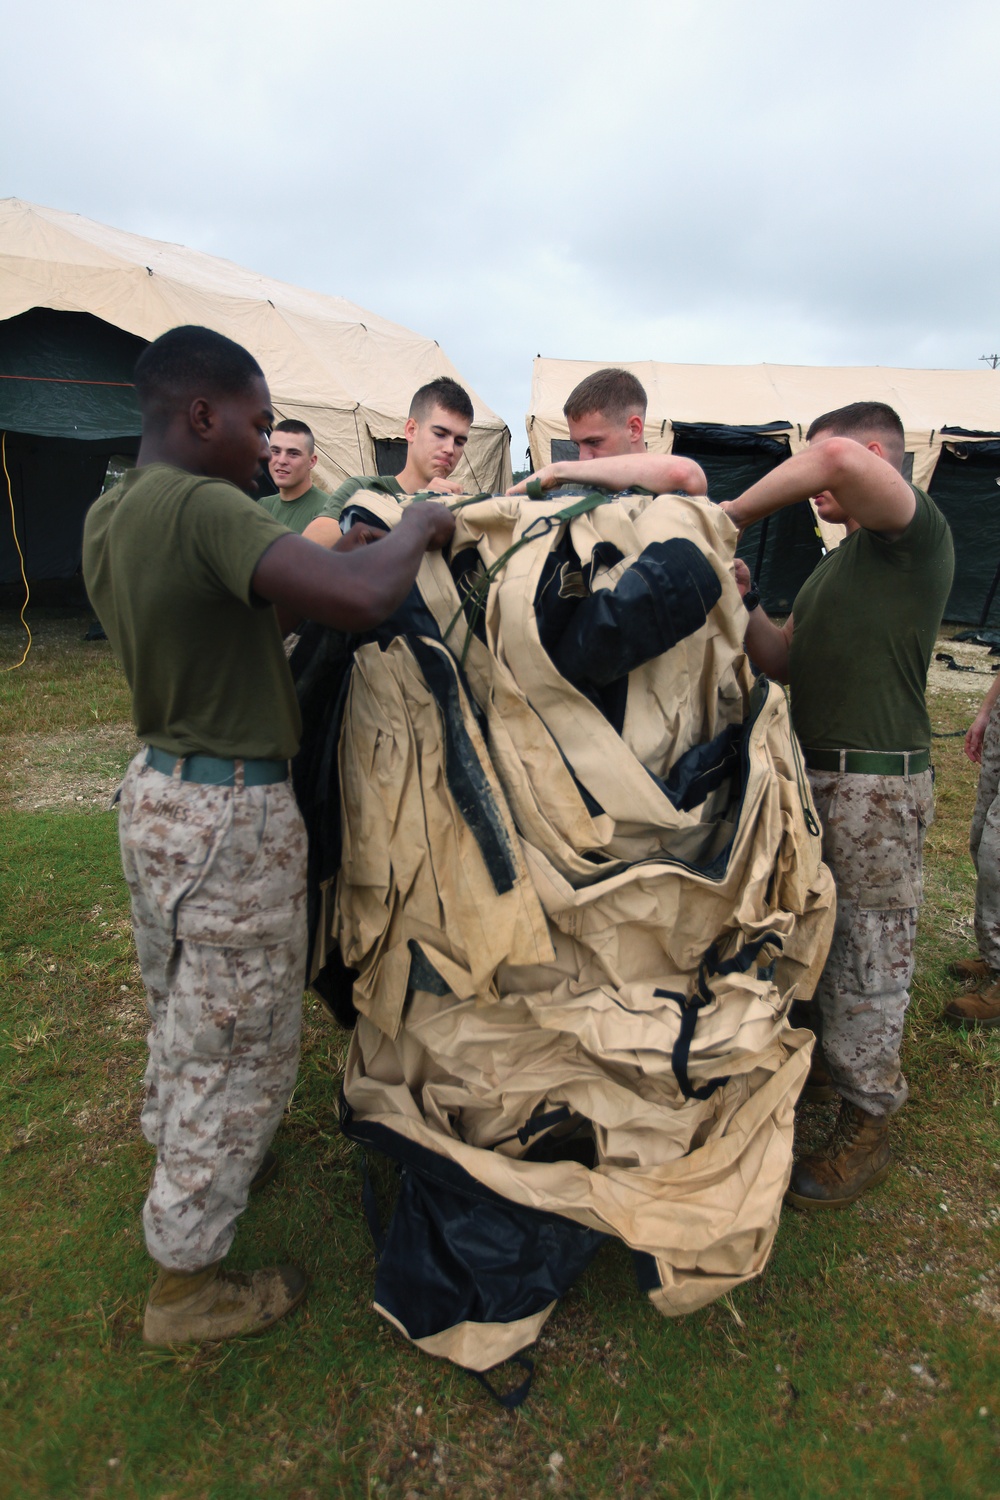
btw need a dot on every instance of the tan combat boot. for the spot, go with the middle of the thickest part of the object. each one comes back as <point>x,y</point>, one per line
<point>977,1008</point>
<point>971,968</point>
<point>856,1157</point>
<point>187,1307</point>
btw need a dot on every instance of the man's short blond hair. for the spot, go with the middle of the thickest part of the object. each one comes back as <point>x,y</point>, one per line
<point>615,394</point>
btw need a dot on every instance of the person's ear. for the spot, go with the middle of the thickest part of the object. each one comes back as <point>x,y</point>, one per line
<point>410,429</point>
<point>312,460</point>
<point>636,427</point>
<point>201,417</point>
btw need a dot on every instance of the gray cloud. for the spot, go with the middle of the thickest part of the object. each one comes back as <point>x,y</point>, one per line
<point>705,182</point>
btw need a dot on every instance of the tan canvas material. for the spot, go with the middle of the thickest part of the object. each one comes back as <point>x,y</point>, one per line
<point>620,930</point>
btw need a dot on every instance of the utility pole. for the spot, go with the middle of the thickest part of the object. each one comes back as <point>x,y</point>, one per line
<point>991,359</point>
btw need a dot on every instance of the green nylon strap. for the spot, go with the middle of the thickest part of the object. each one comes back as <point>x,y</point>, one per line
<point>580,507</point>
<point>442,497</point>
<point>869,762</point>
<point>469,500</point>
<point>214,770</point>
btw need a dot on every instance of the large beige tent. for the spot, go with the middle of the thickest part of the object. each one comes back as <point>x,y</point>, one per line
<point>777,398</point>
<point>738,421</point>
<point>349,373</point>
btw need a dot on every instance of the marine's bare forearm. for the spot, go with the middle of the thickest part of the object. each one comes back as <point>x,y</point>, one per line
<point>354,591</point>
<point>660,473</point>
<point>870,490</point>
<point>768,644</point>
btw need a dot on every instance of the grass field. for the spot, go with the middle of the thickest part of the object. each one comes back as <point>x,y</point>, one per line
<point>864,1362</point>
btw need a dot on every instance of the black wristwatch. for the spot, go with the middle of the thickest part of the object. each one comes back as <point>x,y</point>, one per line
<point>751,598</point>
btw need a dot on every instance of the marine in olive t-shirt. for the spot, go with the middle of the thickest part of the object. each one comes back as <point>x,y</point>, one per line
<point>296,514</point>
<point>866,620</point>
<point>169,559</point>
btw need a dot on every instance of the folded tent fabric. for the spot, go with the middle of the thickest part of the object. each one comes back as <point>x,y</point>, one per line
<point>578,911</point>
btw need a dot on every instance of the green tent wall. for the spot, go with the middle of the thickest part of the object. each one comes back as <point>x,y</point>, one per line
<point>67,406</point>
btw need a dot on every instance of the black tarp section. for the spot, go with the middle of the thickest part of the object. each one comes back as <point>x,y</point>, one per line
<point>780,553</point>
<point>966,490</point>
<point>67,406</point>
<point>455,1251</point>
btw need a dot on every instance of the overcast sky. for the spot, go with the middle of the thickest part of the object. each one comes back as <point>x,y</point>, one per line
<point>709,182</point>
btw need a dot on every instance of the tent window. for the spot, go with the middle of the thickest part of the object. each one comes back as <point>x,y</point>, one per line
<point>53,482</point>
<point>771,438</point>
<point>563,451</point>
<point>390,455</point>
<point>781,552</point>
<point>908,467</point>
<point>964,488</point>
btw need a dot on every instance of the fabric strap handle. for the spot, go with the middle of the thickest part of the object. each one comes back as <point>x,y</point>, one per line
<point>702,996</point>
<point>510,1400</point>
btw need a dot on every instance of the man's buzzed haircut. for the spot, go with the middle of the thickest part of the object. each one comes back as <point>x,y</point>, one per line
<point>863,419</point>
<point>443,392</point>
<point>191,361</point>
<point>292,424</point>
<point>615,394</point>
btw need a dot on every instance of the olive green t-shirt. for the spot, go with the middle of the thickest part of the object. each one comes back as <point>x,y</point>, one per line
<point>168,560</point>
<point>296,514</point>
<point>866,621</point>
<point>382,484</point>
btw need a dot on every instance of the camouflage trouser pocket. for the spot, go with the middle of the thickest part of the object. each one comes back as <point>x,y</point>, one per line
<point>222,927</point>
<point>199,1027</point>
<point>890,895</point>
<point>873,836</point>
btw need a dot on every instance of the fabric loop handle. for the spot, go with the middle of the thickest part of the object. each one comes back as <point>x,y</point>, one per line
<point>509,1400</point>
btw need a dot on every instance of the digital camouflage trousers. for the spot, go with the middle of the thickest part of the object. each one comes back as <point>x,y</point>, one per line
<point>873,840</point>
<point>984,845</point>
<point>217,881</point>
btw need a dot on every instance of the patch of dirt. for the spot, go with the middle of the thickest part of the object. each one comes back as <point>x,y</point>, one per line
<point>971,686</point>
<point>76,771</point>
